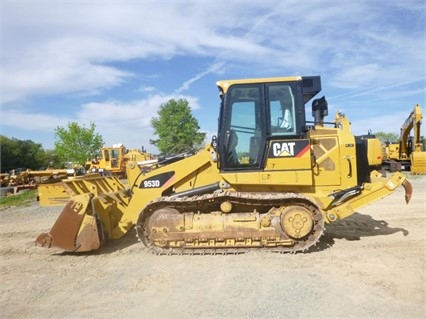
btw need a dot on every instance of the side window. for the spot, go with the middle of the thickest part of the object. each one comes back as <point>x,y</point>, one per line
<point>282,110</point>
<point>106,155</point>
<point>242,131</point>
<point>114,158</point>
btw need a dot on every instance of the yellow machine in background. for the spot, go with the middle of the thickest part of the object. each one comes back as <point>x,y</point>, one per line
<point>374,151</point>
<point>4,179</point>
<point>269,180</point>
<point>28,176</point>
<point>23,178</point>
<point>114,160</point>
<point>408,154</point>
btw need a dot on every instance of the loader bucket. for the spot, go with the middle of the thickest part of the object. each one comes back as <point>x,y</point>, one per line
<point>74,230</point>
<point>92,215</point>
<point>418,163</point>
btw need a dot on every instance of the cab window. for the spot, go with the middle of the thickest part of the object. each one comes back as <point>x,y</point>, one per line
<point>282,109</point>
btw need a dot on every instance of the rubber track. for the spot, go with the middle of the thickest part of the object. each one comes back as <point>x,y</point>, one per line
<point>193,203</point>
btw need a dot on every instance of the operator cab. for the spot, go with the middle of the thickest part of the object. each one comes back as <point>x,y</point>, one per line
<point>255,112</point>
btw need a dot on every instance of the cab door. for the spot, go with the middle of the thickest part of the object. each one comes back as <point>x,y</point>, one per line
<point>242,135</point>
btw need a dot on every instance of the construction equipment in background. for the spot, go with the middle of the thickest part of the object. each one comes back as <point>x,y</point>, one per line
<point>373,148</point>
<point>22,178</point>
<point>269,180</point>
<point>4,179</point>
<point>409,153</point>
<point>32,177</point>
<point>58,194</point>
<point>114,160</point>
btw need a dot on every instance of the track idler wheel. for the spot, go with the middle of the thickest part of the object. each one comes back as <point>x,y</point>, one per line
<point>297,222</point>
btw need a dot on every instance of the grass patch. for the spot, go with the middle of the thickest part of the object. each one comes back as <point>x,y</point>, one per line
<point>20,199</point>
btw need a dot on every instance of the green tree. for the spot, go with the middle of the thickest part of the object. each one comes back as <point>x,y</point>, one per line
<point>176,128</point>
<point>387,137</point>
<point>49,159</point>
<point>17,153</point>
<point>76,144</point>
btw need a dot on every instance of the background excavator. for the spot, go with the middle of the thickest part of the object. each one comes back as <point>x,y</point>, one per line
<point>408,154</point>
<point>269,180</point>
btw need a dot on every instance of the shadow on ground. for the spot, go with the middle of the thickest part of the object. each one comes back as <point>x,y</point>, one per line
<point>111,246</point>
<point>354,228</point>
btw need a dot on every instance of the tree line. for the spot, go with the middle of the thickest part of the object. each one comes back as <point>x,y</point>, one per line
<point>17,153</point>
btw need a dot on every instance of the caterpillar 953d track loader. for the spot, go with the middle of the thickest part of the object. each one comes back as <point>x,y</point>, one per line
<point>269,180</point>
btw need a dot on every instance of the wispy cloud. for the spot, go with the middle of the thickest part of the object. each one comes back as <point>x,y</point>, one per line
<point>212,69</point>
<point>64,47</point>
<point>364,50</point>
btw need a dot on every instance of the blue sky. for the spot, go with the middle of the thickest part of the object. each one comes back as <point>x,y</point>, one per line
<point>115,62</point>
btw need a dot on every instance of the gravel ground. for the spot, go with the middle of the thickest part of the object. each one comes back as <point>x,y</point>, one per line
<point>370,265</point>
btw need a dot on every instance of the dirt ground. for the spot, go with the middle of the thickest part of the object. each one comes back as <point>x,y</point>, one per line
<point>370,265</point>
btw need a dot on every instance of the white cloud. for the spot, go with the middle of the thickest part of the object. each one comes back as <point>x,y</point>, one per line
<point>128,123</point>
<point>64,47</point>
<point>212,69</point>
<point>116,121</point>
<point>370,49</point>
<point>53,77</point>
<point>388,123</point>
<point>30,121</point>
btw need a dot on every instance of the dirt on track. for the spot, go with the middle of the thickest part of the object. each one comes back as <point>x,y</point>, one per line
<point>370,265</point>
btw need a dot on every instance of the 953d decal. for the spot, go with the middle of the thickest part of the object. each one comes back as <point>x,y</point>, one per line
<point>158,181</point>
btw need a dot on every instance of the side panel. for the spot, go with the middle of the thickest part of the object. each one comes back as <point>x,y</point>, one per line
<point>326,152</point>
<point>284,178</point>
<point>374,152</point>
<point>288,163</point>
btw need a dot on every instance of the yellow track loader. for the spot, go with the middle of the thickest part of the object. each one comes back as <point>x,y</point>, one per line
<point>269,180</point>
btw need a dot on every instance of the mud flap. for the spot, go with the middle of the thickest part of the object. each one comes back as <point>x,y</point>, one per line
<point>74,230</point>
